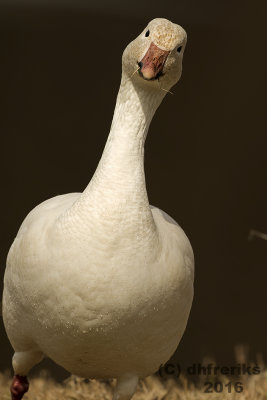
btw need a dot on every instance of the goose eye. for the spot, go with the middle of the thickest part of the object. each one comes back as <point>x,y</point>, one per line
<point>179,49</point>
<point>147,33</point>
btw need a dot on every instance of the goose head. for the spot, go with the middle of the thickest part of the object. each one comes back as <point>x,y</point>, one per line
<point>156,55</point>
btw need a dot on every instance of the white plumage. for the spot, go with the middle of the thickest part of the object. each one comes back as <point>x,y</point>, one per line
<point>99,281</point>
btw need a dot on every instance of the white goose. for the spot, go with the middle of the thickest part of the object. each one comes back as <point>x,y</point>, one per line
<point>100,281</point>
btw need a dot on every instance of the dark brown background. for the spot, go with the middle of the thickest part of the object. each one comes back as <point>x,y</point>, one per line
<point>205,153</point>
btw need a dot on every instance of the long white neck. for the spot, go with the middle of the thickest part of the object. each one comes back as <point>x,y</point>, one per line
<point>117,191</point>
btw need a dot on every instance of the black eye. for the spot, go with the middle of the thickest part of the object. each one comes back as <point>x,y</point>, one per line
<point>179,49</point>
<point>147,33</point>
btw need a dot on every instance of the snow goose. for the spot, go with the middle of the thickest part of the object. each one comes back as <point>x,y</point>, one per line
<point>100,281</point>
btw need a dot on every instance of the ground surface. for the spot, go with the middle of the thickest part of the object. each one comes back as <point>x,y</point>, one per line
<point>152,388</point>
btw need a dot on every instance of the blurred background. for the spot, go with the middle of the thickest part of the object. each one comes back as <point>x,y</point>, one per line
<point>205,153</point>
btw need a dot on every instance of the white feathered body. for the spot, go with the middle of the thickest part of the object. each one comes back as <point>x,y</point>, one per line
<point>93,310</point>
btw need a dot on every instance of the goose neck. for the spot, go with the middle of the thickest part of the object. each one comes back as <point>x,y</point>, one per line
<point>121,168</point>
<point>116,195</point>
<point>135,107</point>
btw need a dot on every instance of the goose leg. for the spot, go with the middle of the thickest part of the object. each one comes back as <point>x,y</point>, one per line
<point>126,386</point>
<point>19,387</point>
<point>22,362</point>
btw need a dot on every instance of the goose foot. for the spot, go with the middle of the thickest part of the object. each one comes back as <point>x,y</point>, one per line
<point>19,386</point>
<point>126,386</point>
